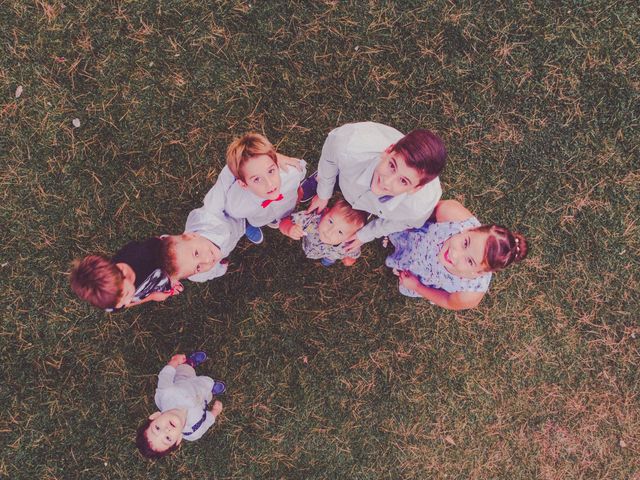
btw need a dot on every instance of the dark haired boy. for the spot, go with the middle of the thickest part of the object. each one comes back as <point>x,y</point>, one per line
<point>182,398</point>
<point>135,275</point>
<point>392,176</point>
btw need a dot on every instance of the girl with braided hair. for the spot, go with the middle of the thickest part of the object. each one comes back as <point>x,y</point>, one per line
<point>450,261</point>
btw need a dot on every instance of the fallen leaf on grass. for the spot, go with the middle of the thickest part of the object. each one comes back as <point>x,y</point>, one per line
<point>449,439</point>
<point>18,91</point>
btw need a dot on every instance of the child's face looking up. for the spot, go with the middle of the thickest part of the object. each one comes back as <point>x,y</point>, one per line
<point>165,429</point>
<point>193,254</point>
<point>262,177</point>
<point>334,229</point>
<point>393,176</point>
<point>463,254</point>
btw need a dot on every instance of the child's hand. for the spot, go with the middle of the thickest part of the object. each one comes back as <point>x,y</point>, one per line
<point>296,232</point>
<point>409,281</point>
<point>177,359</point>
<point>317,204</point>
<point>352,243</point>
<point>216,408</point>
<point>290,229</point>
<point>159,296</point>
<point>285,162</point>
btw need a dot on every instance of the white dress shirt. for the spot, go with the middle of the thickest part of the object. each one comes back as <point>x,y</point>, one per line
<point>243,203</point>
<point>213,223</point>
<point>351,153</point>
<point>181,388</point>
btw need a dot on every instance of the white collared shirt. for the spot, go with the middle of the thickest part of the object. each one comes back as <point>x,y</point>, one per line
<point>187,393</point>
<point>351,153</point>
<point>212,222</point>
<point>243,203</point>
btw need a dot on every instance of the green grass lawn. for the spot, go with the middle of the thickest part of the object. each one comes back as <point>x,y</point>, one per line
<point>332,374</point>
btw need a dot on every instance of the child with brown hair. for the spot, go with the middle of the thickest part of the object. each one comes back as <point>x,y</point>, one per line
<point>265,189</point>
<point>134,275</point>
<point>182,398</point>
<point>323,234</point>
<point>450,261</point>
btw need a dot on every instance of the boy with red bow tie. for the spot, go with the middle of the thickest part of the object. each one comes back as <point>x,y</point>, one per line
<point>265,190</point>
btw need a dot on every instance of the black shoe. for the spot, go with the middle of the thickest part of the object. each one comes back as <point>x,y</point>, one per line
<point>309,187</point>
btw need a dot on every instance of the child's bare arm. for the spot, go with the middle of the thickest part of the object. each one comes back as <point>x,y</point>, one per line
<point>450,301</point>
<point>159,296</point>
<point>290,229</point>
<point>177,359</point>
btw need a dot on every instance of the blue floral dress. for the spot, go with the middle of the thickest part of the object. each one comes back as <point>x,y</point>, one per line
<point>417,250</point>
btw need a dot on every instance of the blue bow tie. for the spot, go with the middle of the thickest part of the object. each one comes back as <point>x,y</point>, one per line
<point>197,425</point>
<point>385,198</point>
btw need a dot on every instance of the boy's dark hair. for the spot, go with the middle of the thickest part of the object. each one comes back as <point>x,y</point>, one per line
<point>168,256</point>
<point>97,280</point>
<point>143,444</point>
<point>423,151</point>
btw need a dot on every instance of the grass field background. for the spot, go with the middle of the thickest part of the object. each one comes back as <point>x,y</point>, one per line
<point>332,374</point>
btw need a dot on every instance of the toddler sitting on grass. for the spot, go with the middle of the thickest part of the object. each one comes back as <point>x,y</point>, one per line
<point>183,400</point>
<point>135,275</point>
<point>323,234</point>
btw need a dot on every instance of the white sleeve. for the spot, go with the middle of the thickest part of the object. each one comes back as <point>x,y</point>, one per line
<point>328,164</point>
<point>166,376</point>
<point>380,227</point>
<point>214,200</point>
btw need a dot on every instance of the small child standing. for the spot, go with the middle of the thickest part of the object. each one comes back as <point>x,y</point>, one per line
<point>265,188</point>
<point>322,234</point>
<point>133,276</point>
<point>183,400</point>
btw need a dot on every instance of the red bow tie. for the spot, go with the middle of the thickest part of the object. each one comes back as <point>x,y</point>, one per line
<point>266,203</point>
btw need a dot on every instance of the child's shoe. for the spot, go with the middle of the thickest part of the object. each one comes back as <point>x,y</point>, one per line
<point>327,262</point>
<point>196,358</point>
<point>309,187</point>
<point>254,234</point>
<point>219,387</point>
<point>275,224</point>
<point>348,261</point>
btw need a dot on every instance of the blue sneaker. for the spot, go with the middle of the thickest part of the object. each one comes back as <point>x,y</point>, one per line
<point>196,358</point>
<point>219,387</point>
<point>254,234</point>
<point>309,187</point>
<point>327,262</point>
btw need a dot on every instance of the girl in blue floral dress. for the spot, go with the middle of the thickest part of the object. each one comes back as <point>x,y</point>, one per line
<point>450,261</point>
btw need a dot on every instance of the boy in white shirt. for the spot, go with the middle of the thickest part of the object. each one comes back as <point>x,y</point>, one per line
<point>183,400</point>
<point>262,192</point>
<point>381,171</point>
<point>213,230</point>
<point>199,254</point>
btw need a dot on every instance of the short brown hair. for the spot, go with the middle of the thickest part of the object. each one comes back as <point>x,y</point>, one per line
<point>246,147</point>
<point>168,255</point>
<point>356,218</point>
<point>503,248</point>
<point>423,151</point>
<point>142,442</point>
<point>97,280</point>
